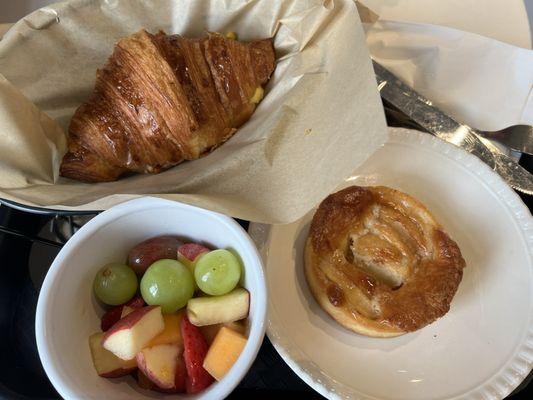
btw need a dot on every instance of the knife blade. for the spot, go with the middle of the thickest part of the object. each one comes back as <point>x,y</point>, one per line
<point>436,122</point>
<point>512,172</point>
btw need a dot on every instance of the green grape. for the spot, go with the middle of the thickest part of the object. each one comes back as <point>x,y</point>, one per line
<point>115,284</point>
<point>167,283</point>
<point>217,272</point>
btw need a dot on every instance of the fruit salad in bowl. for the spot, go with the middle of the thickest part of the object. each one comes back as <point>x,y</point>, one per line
<point>152,298</point>
<point>186,325</point>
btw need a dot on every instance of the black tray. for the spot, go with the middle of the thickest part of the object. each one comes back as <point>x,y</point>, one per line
<point>29,241</point>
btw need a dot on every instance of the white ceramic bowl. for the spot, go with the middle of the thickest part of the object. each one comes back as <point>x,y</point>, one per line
<point>67,313</point>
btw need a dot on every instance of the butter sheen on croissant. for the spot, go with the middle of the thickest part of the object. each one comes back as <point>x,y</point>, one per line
<point>161,99</point>
<point>379,263</point>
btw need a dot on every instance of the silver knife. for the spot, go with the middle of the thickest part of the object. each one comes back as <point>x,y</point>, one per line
<point>425,114</point>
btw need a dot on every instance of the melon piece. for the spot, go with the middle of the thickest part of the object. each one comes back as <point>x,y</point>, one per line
<point>210,331</point>
<point>224,352</point>
<point>172,332</point>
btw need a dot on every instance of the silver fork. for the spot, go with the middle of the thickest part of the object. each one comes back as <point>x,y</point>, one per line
<point>517,137</point>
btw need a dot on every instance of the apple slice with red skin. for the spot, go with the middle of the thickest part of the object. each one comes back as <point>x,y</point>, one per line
<point>210,310</point>
<point>179,380</point>
<point>194,351</point>
<point>191,251</point>
<point>131,334</point>
<point>106,363</point>
<point>112,316</point>
<point>159,364</point>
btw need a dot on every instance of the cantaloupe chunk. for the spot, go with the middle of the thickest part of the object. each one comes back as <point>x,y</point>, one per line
<point>172,332</point>
<point>224,352</point>
<point>210,331</point>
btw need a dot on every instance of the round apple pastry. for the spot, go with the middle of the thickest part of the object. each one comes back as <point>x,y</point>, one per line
<point>379,263</point>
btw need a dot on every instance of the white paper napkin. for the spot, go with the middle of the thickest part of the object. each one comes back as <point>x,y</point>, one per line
<point>482,82</point>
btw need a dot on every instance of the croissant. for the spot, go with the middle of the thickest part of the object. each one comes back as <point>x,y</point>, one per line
<point>378,262</point>
<point>161,99</point>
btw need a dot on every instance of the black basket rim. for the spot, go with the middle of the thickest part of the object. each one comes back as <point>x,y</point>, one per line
<point>46,211</point>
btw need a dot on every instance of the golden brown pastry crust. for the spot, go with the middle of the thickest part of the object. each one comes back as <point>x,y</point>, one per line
<point>161,99</point>
<point>378,262</point>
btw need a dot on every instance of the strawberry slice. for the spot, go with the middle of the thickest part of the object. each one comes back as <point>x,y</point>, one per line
<point>181,375</point>
<point>192,250</point>
<point>113,315</point>
<point>195,349</point>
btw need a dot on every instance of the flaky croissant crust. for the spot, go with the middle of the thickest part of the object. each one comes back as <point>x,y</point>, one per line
<point>161,99</point>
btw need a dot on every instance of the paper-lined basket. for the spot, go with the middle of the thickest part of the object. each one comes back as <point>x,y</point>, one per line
<point>321,116</point>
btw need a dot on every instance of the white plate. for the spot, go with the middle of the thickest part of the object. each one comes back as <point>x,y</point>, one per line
<point>481,349</point>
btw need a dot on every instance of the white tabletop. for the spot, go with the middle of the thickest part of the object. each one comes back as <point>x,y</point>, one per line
<point>506,20</point>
